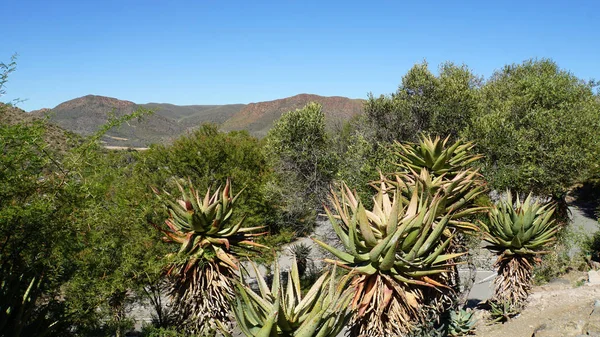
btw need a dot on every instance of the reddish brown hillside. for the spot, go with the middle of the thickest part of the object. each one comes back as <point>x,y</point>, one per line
<point>259,117</point>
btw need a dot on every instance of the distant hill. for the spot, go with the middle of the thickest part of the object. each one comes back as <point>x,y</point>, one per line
<point>258,118</point>
<point>190,115</point>
<point>84,115</point>
<point>56,137</point>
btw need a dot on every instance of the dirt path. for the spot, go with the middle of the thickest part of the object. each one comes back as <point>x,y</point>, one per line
<point>554,310</point>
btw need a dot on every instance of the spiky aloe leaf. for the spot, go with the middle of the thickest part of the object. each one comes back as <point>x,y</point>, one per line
<point>518,231</point>
<point>321,312</point>
<point>200,274</point>
<point>516,225</point>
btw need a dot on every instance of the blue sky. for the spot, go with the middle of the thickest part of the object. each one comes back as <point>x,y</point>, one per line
<point>217,52</point>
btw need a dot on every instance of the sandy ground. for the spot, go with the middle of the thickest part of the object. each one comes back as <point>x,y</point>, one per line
<point>562,308</point>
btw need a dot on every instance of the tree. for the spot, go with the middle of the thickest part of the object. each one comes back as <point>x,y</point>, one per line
<point>6,69</point>
<point>299,150</point>
<point>441,105</point>
<point>538,129</point>
<point>35,238</point>
<point>118,253</point>
<point>207,157</point>
<point>34,242</point>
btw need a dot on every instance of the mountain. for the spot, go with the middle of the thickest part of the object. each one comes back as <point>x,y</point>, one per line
<point>85,115</point>
<point>195,114</point>
<point>56,137</point>
<point>258,118</point>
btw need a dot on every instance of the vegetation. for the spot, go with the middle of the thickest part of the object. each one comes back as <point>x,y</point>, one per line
<point>537,127</point>
<point>34,263</point>
<point>398,251</point>
<point>519,233</point>
<point>299,150</point>
<point>503,311</point>
<point>77,250</point>
<point>434,167</point>
<point>442,105</point>
<point>462,323</point>
<point>322,311</point>
<point>201,271</point>
<point>207,158</point>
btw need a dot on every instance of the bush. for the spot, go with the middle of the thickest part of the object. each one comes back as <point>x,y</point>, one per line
<point>538,128</point>
<point>567,254</point>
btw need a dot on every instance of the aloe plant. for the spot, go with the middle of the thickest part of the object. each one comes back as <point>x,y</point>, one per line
<point>436,156</point>
<point>285,311</point>
<point>502,311</point>
<point>519,233</point>
<point>461,323</point>
<point>398,251</point>
<point>434,166</point>
<point>202,270</point>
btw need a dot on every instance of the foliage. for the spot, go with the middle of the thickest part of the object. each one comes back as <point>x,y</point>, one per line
<point>208,157</point>
<point>363,160</point>
<point>210,242</point>
<point>441,105</point>
<point>537,127</point>
<point>67,211</point>
<point>570,252</point>
<point>150,331</point>
<point>275,311</point>
<point>35,245</point>
<point>434,155</point>
<point>461,323</point>
<point>518,233</point>
<point>591,249</point>
<point>299,150</point>
<point>117,256</point>
<point>522,228</point>
<point>5,70</point>
<point>431,167</point>
<point>502,311</point>
<point>301,253</point>
<point>397,249</point>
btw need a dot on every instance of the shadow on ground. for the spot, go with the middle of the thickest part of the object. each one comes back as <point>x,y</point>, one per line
<point>587,198</point>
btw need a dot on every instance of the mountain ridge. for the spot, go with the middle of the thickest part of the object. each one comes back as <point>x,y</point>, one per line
<point>84,115</point>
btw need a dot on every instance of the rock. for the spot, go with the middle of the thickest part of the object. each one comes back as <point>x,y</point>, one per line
<point>571,329</point>
<point>592,327</point>
<point>593,278</point>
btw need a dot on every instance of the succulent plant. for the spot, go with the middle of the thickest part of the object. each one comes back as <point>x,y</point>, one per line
<point>518,233</point>
<point>301,253</point>
<point>436,156</point>
<point>461,323</point>
<point>202,269</point>
<point>397,250</point>
<point>434,166</point>
<point>459,194</point>
<point>502,311</point>
<point>275,311</point>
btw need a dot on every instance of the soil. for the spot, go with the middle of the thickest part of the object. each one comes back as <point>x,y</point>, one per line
<point>562,308</point>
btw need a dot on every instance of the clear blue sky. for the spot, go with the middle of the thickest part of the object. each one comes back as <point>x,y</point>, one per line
<point>217,52</point>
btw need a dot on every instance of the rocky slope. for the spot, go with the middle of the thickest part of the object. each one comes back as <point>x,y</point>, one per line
<point>258,118</point>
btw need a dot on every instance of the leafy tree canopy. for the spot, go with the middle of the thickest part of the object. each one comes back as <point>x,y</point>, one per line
<point>299,149</point>
<point>440,105</point>
<point>538,128</point>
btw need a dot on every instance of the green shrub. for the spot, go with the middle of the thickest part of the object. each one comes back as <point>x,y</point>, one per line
<point>566,255</point>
